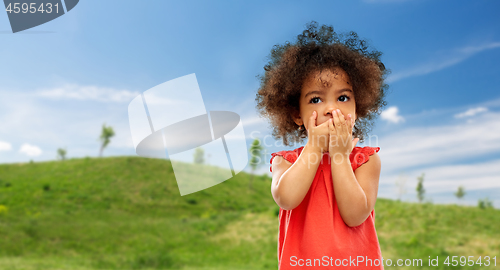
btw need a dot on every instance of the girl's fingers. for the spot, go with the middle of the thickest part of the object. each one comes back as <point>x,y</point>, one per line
<point>349,123</point>
<point>336,121</point>
<point>344,129</point>
<point>354,142</point>
<point>312,120</point>
<point>331,132</point>
<point>342,122</point>
<point>330,125</point>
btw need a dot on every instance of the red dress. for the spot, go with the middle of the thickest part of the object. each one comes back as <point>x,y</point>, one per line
<point>314,236</point>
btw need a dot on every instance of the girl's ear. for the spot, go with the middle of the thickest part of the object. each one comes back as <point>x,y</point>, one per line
<point>297,119</point>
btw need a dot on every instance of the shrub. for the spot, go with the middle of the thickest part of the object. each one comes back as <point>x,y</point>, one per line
<point>486,203</point>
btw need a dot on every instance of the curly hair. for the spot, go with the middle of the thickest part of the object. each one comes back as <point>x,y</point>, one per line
<point>316,50</point>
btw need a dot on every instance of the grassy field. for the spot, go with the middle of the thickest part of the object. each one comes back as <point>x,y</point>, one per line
<point>127,213</point>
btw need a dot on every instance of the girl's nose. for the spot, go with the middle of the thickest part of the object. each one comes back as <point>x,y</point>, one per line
<point>329,111</point>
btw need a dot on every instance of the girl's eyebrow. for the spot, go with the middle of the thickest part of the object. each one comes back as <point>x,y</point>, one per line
<point>323,91</point>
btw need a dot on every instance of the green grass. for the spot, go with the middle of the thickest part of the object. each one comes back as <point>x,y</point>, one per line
<point>127,213</point>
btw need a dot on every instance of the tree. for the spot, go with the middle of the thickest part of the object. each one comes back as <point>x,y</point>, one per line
<point>460,192</point>
<point>106,134</point>
<point>420,187</point>
<point>256,151</point>
<point>61,154</point>
<point>199,155</point>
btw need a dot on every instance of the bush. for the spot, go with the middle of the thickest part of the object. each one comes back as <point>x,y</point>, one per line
<point>486,203</point>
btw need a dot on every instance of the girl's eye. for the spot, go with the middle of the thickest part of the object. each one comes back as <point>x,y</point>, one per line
<point>344,98</point>
<point>314,98</point>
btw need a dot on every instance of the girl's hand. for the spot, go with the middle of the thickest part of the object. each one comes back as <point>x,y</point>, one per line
<point>341,134</point>
<point>318,135</point>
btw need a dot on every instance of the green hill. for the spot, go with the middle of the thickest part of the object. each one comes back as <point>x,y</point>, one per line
<point>127,213</point>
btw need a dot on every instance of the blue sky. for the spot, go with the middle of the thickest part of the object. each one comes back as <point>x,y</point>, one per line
<point>59,82</point>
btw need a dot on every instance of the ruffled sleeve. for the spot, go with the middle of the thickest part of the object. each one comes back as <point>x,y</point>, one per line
<point>290,156</point>
<point>361,155</point>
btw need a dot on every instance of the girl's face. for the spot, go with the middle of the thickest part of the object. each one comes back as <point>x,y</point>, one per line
<point>324,92</point>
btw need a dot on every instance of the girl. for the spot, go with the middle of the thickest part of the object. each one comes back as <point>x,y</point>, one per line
<point>327,88</point>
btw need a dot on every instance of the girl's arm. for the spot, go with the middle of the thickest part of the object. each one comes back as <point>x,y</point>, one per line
<point>356,191</point>
<point>291,182</point>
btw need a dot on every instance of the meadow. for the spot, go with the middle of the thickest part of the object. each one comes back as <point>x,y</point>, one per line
<point>127,213</point>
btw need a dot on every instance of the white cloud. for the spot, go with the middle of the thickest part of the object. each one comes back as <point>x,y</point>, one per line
<point>447,154</point>
<point>440,145</point>
<point>471,112</point>
<point>456,56</point>
<point>391,115</point>
<point>447,178</point>
<point>5,146</point>
<point>30,150</point>
<point>78,92</point>
<point>476,49</point>
<point>71,124</point>
<point>253,120</point>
